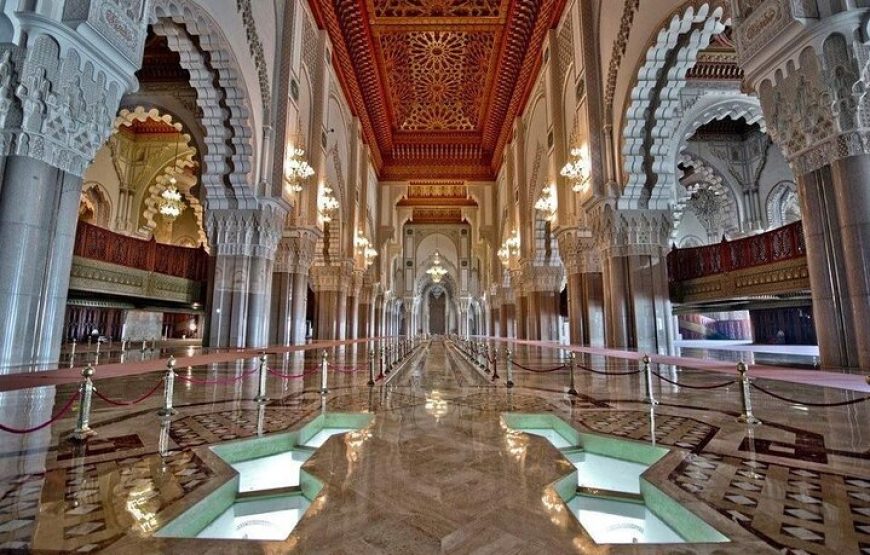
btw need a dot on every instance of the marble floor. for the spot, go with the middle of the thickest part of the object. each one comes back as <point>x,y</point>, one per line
<point>436,472</point>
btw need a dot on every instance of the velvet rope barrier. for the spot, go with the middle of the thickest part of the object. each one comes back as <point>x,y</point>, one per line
<point>688,386</point>
<point>540,370</point>
<point>217,382</point>
<point>810,403</point>
<point>138,400</point>
<point>53,419</point>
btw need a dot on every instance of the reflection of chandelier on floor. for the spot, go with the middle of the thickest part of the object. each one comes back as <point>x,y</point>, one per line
<point>171,204</point>
<point>436,271</point>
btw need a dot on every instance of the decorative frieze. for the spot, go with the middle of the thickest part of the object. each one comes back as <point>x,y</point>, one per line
<point>631,232</point>
<point>295,252</point>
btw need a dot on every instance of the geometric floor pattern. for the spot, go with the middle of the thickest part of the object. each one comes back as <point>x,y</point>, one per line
<point>780,488</point>
<point>816,512</point>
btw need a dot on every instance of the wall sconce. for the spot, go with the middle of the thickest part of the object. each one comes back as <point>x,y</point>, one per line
<point>296,169</point>
<point>577,170</point>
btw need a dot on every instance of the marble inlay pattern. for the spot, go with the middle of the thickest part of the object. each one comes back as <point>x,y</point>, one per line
<point>678,431</point>
<point>794,509</point>
<point>433,475</point>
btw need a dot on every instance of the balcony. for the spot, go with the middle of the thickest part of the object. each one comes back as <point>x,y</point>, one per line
<point>109,263</point>
<point>772,263</point>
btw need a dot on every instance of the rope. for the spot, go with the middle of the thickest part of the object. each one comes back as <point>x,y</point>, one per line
<point>810,403</point>
<point>594,371</point>
<point>305,372</point>
<point>215,382</point>
<point>128,403</point>
<point>687,386</point>
<point>541,370</point>
<point>53,419</point>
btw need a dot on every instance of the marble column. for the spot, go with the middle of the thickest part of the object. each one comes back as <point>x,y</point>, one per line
<point>56,110</point>
<point>299,308</point>
<point>37,229</point>
<point>591,289</point>
<point>281,324</point>
<point>259,295</point>
<point>811,93</point>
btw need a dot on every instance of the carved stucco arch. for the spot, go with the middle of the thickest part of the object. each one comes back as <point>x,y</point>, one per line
<point>650,117</point>
<point>774,202</point>
<point>94,190</point>
<point>709,107</point>
<point>707,174</point>
<point>221,95</point>
<point>184,159</point>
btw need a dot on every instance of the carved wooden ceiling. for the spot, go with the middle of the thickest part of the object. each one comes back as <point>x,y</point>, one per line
<point>437,83</point>
<point>437,194</point>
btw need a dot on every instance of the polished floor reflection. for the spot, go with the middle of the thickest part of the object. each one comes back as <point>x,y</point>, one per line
<point>437,471</point>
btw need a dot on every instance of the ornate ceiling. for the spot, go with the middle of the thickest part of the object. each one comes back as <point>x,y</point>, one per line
<point>437,83</point>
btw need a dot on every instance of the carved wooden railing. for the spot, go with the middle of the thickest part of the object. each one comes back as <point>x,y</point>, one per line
<point>101,244</point>
<point>771,262</point>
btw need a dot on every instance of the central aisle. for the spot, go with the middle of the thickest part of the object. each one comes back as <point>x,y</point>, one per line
<point>440,370</point>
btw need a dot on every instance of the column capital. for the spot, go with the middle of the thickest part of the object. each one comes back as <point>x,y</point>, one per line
<point>577,251</point>
<point>246,232</point>
<point>60,88</point>
<point>631,232</point>
<point>332,277</point>
<point>807,68</point>
<point>295,252</point>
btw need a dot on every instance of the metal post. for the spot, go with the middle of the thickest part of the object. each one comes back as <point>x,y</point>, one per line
<point>168,389</point>
<point>144,343</point>
<point>324,376</point>
<point>261,388</point>
<point>510,369</point>
<point>99,344</point>
<point>746,417</point>
<point>488,356</point>
<point>371,368</point>
<point>495,365</point>
<point>72,353</point>
<point>383,362</point>
<point>572,389</point>
<point>647,373</point>
<point>83,430</point>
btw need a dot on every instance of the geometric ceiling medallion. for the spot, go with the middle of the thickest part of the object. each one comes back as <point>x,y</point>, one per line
<point>436,84</point>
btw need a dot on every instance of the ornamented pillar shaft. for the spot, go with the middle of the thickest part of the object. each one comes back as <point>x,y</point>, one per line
<point>633,246</point>
<point>60,85</point>
<point>808,63</point>
<point>290,290</point>
<point>243,251</point>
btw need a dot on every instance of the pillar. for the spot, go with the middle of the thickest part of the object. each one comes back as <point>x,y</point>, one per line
<point>56,110</point>
<point>824,142</point>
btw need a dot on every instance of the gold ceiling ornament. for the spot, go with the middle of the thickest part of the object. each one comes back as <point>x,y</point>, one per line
<point>296,169</point>
<point>577,169</point>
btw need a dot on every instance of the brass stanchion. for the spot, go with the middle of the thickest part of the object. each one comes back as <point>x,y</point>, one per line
<point>572,389</point>
<point>83,430</point>
<point>746,416</point>
<point>324,375</point>
<point>261,387</point>
<point>168,389</point>
<point>647,373</point>
<point>510,369</point>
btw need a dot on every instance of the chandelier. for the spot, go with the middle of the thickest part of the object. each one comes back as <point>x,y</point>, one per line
<point>364,247</point>
<point>170,204</point>
<point>547,202</point>
<point>577,170</point>
<point>510,247</point>
<point>436,271</point>
<point>296,169</point>
<point>327,204</point>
